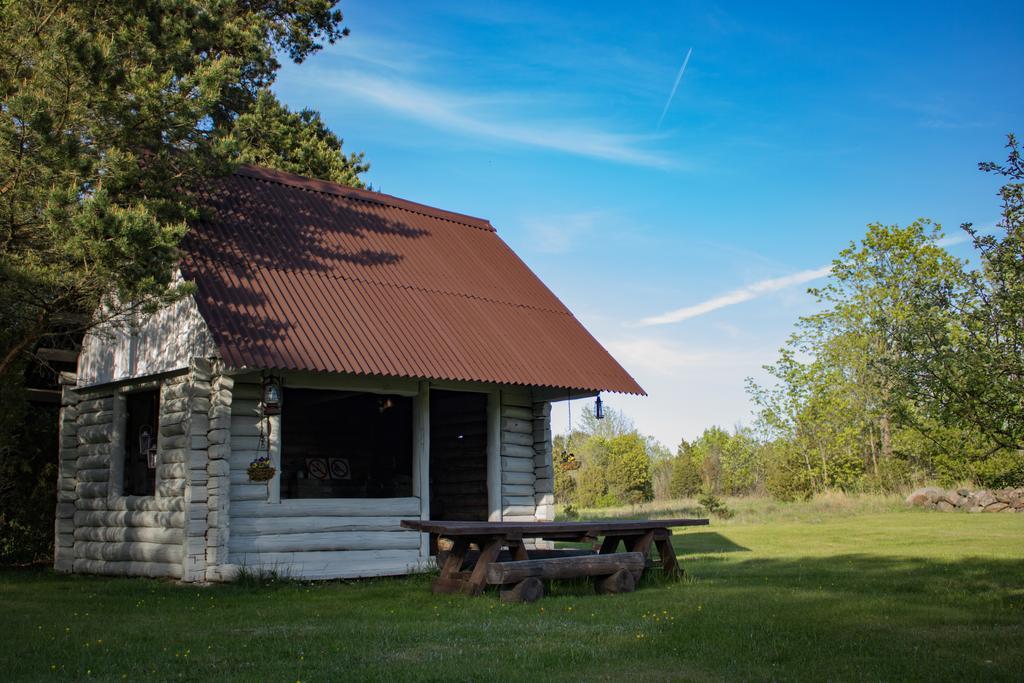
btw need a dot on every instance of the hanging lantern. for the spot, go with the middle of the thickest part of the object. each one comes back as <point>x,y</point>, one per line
<point>271,396</point>
<point>598,408</point>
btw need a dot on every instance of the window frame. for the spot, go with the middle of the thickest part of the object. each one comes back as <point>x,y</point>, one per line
<point>119,442</point>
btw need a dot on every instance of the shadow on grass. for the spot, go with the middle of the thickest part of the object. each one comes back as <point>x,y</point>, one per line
<point>854,576</point>
<point>705,542</point>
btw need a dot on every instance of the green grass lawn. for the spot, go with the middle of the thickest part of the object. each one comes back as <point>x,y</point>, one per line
<point>905,595</point>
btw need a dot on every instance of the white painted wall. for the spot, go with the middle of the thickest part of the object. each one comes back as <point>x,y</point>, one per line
<point>162,342</point>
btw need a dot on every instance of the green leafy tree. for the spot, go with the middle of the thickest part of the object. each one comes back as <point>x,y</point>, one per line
<point>686,479</point>
<point>629,469</point>
<point>868,297</point>
<point>967,344</point>
<point>615,423</point>
<point>27,474</point>
<point>788,478</point>
<point>110,116</point>
<point>268,134</point>
<point>706,453</point>
<point>838,403</point>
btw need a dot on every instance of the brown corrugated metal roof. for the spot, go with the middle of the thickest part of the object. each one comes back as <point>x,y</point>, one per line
<point>303,274</point>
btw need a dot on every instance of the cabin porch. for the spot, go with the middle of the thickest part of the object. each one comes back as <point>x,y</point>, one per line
<point>168,492</point>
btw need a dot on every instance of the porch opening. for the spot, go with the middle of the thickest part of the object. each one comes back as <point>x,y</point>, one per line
<point>458,455</point>
<point>345,444</point>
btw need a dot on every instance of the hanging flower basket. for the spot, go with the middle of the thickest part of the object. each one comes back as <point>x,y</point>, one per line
<point>260,469</point>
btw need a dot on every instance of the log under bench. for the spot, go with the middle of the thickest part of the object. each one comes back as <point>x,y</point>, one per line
<point>495,553</point>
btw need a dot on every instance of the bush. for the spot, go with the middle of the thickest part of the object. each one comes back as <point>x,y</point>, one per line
<point>788,479</point>
<point>844,471</point>
<point>565,481</point>
<point>591,486</point>
<point>950,471</point>
<point>685,478</point>
<point>1004,469</point>
<point>893,475</point>
<point>715,505</point>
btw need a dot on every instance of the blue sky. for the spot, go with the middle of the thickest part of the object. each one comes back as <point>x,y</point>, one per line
<point>685,247</point>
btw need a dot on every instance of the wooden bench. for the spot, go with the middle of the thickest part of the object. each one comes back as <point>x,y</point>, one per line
<point>523,579</point>
<point>471,556</point>
<point>466,571</point>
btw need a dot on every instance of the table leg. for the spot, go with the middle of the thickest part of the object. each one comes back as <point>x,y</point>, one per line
<point>478,579</point>
<point>669,564</point>
<point>518,550</point>
<point>639,544</point>
<point>448,581</point>
<point>609,545</point>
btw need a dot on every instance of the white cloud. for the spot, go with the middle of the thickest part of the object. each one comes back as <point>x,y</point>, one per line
<point>555,234</point>
<point>654,354</point>
<point>689,389</point>
<point>665,356</point>
<point>737,296</point>
<point>460,114</point>
<point>952,240</point>
<point>376,50</point>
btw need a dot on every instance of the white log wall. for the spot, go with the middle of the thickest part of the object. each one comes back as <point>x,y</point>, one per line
<point>218,479</point>
<point>99,530</point>
<point>527,491</point>
<point>207,520</point>
<point>307,538</point>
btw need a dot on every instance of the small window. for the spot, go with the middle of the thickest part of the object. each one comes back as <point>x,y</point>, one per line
<point>343,444</point>
<point>142,430</point>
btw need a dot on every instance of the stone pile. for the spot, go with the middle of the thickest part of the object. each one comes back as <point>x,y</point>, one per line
<point>995,500</point>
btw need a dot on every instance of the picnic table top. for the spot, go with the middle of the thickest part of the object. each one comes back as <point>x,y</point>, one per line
<point>595,528</point>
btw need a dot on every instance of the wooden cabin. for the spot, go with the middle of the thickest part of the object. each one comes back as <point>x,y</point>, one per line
<point>387,359</point>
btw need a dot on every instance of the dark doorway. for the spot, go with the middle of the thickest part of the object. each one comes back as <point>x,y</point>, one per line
<point>458,455</point>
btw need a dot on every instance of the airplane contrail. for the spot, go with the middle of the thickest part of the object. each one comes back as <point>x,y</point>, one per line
<point>738,296</point>
<point>675,86</point>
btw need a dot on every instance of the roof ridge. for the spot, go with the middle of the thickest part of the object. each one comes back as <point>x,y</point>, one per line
<point>429,290</point>
<point>336,189</point>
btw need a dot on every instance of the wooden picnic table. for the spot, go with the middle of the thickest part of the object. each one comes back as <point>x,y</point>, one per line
<point>635,536</point>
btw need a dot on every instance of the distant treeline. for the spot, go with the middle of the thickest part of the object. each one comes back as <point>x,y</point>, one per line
<point>913,370</point>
